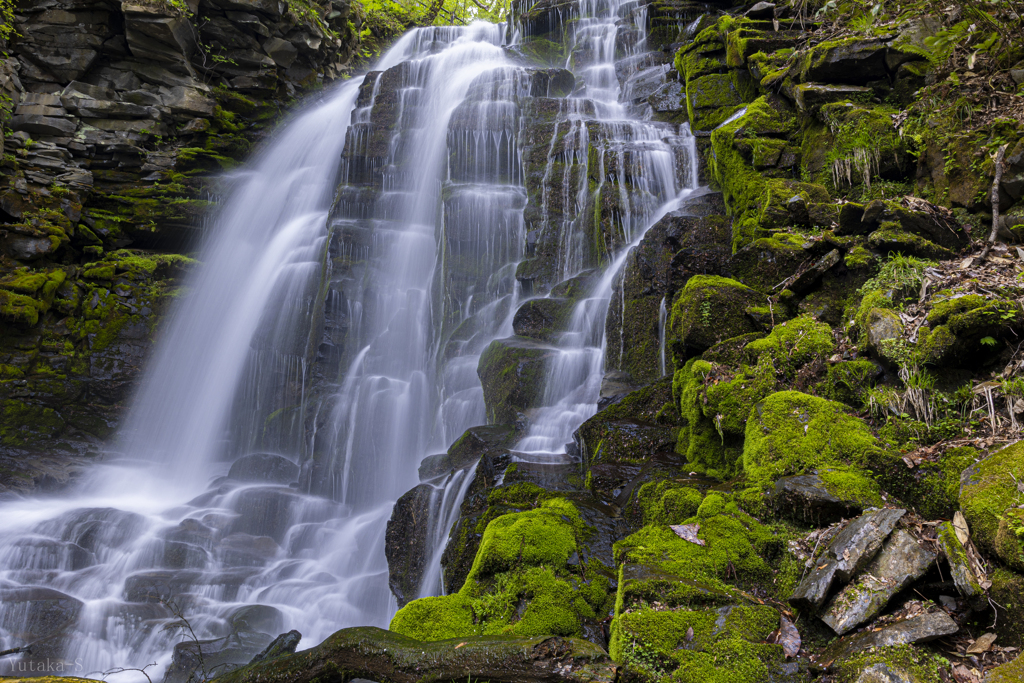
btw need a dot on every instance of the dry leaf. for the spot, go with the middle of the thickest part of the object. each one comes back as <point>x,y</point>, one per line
<point>689,634</point>
<point>789,637</point>
<point>982,644</point>
<point>459,645</point>
<point>687,532</point>
<point>963,532</point>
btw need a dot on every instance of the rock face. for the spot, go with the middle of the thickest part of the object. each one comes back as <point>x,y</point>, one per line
<point>120,115</point>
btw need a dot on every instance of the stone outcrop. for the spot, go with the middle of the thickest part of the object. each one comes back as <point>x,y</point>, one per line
<point>121,115</point>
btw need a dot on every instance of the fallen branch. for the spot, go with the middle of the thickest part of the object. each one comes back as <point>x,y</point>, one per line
<point>15,651</point>
<point>387,657</point>
<point>995,202</point>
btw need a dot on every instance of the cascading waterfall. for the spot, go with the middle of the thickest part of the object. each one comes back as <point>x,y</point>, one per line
<point>330,341</point>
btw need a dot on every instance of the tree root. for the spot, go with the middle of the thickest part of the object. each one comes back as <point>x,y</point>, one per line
<point>386,657</point>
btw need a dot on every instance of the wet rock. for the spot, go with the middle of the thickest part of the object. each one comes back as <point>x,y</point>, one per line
<point>264,511</point>
<point>281,51</point>
<point>269,468</point>
<point>901,562</point>
<point>919,629</point>
<point>811,97</point>
<point>467,450</point>
<point>846,555</point>
<point>542,319</point>
<point>615,385</point>
<point>806,498</point>
<point>405,542</point>
<point>37,613</point>
<point>204,658</point>
<point>284,644</point>
<point>246,550</point>
<point>761,10</point>
<point>262,618</point>
<point>513,372</point>
<point>882,325</point>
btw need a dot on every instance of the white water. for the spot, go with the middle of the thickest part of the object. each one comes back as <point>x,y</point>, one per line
<point>418,252</point>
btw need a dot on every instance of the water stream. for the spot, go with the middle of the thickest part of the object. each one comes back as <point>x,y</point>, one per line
<point>329,342</point>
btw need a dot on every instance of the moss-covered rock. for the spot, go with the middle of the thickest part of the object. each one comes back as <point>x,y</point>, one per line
<point>959,326</point>
<point>706,311</point>
<point>692,646</point>
<point>894,662</point>
<point>991,500</point>
<point>512,372</point>
<point>795,433</point>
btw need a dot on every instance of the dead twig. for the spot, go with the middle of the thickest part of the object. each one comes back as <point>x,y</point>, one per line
<point>995,202</point>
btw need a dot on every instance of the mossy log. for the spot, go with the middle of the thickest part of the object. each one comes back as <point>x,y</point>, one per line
<point>388,657</point>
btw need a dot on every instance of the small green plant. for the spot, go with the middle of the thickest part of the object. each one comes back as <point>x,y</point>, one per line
<point>899,273</point>
<point>989,341</point>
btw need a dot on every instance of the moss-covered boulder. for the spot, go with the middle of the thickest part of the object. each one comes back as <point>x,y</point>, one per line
<point>794,433</point>
<point>512,372</point>
<point>719,645</point>
<point>656,565</point>
<point>715,399</point>
<point>528,578</point>
<point>993,504</point>
<point>891,663</point>
<point>708,310</point>
<point>968,330</point>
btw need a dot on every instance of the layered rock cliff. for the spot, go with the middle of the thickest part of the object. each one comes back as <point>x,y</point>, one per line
<point>120,120</point>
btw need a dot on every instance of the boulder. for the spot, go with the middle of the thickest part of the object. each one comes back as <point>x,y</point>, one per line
<point>853,61</point>
<point>846,555</point>
<point>467,450</point>
<point>406,544</point>
<point>919,629</point>
<point>708,310</point>
<point>902,561</point>
<point>285,644</point>
<point>990,498</point>
<point>513,373</point>
<point>542,319</point>
<point>805,497</point>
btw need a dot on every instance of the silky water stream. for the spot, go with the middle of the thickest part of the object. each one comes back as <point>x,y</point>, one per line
<point>329,342</point>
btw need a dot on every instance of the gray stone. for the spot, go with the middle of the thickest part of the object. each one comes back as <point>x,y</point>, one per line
<point>155,33</point>
<point>106,109</point>
<point>246,550</point>
<point>810,276</point>
<point>79,89</point>
<point>284,644</point>
<point>964,575</point>
<point>902,561</point>
<point>919,629</point>
<point>261,618</point>
<point>43,125</point>
<point>1017,75</point>
<point>811,97</point>
<point>25,109</point>
<point>470,447</point>
<point>190,101</point>
<point>804,497</point>
<point>855,62</point>
<point>264,511</point>
<point>264,467</point>
<point>882,325</point>
<point>762,10</point>
<point>882,673</point>
<point>846,555</point>
<point>192,660</point>
<point>143,97</point>
<point>272,8</point>
<point>26,248</point>
<point>281,51</point>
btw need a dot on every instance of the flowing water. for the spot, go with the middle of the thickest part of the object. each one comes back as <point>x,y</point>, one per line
<point>329,342</point>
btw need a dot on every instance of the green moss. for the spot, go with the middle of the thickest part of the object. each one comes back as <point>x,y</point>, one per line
<point>988,495</point>
<point>737,547</point>
<point>436,618</point>
<point>18,308</point>
<point>795,433</point>
<point>22,423</point>
<point>706,311</point>
<point>900,661</point>
<point>536,537</point>
<point>794,343</point>
<point>849,381</point>
<point>706,645</point>
<point>666,502</point>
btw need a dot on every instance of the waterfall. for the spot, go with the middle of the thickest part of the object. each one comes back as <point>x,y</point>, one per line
<point>329,342</point>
